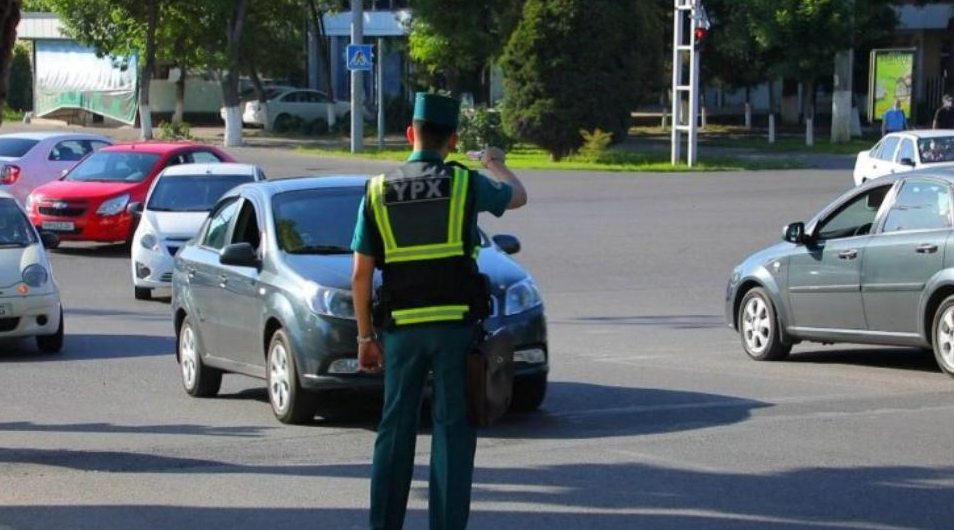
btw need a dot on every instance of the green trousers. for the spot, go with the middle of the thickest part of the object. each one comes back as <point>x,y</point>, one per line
<point>409,355</point>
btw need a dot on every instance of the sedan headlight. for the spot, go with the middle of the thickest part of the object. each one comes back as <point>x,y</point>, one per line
<point>149,242</point>
<point>28,205</point>
<point>114,206</point>
<point>35,275</point>
<point>331,302</point>
<point>522,296</point>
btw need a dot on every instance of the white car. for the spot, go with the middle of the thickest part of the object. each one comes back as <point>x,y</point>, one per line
<point>281,107</point>
<point>905,151</point>
<point>29,295</point>
<point>29,160</point>
<point>177,204</point>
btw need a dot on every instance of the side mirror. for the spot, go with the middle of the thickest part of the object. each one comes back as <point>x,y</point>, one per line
<point>134,208</point>
<point>49,239</point>
<point>239,255</point>
<point>507,243</point>
<point>907,162</point>
<point>795,233</point>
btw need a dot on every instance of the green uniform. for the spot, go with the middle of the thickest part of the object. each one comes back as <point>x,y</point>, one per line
<point>410,353</point>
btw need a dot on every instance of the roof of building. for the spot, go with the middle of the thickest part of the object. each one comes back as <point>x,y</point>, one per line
<point>36,25</point>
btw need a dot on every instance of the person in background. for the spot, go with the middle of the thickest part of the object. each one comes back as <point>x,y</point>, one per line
<point>894,119</point>
<point>944,117</point>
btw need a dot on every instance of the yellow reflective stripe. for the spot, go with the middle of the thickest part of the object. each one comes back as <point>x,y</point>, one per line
<point>429,314</point>
<point>423,252</point>
<point>455,219</point>
<point>381,213</point>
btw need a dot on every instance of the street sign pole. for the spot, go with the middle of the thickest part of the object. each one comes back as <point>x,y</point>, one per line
<point>357,88</point>
<point>684,51</point>
<point>380,57</point>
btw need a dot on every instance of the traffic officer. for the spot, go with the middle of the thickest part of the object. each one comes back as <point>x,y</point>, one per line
<point>418,224</point>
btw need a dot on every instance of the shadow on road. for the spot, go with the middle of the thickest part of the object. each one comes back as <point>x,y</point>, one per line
<point>84,347</point>
<point>108,250</point>
<point>614,496</point>
<point>893,358</point>
<point>656,321</point>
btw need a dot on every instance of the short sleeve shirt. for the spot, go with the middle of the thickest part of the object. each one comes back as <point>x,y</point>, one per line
<point>894,120</point>
<point>944,118</point>
<point>489,196</point>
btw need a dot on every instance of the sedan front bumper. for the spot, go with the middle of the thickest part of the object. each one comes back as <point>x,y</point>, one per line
<point>28,316</point>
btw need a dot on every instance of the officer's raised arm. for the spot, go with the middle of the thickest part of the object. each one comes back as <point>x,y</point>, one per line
<point>494,160</point>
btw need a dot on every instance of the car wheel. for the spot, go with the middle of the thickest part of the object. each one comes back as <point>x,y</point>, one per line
<point>528,393</point>
<point>142,293</point>
<point>198,379</point>
<point>52,343</point>
<point>290,402</point>
<point>282,123</point>
<point>758,327</point>
<point>944,336</point>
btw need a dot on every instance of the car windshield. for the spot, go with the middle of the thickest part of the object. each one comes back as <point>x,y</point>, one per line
<point>938,149</point>
<point>16,147</point>
<point>316,221</point>
<point>114,166</point>
<point>15,229</point>
<point>192,193</point>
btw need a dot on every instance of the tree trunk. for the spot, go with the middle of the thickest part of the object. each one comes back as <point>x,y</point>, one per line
<point>179,114</point>
<point>9,18</point>
<point>809,110</point>
<point>256,82</point>
<point>148,69</point>
<point>230,91</point>
<point>318,20</point>
<point>748,108</point>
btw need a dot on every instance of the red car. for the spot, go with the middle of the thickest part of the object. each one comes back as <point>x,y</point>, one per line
<point>90,202</point>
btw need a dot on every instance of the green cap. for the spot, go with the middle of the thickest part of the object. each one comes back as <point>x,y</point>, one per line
<point>436,109</point>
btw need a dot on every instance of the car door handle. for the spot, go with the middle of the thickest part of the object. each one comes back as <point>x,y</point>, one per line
<point>926,248</point>
<point>848,254</point>
<point>190,272</point>
<point>223,280</point>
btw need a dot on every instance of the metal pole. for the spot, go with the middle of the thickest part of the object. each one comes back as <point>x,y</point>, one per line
<point>380,59</point>
<point>693,92</point>
<point>677,17</point>
<point>357,87</point>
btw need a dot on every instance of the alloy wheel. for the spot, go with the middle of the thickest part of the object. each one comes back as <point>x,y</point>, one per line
<point>945,338</point>
<point>187,356</point>
<point>756,325</point>
<point>278,380</point>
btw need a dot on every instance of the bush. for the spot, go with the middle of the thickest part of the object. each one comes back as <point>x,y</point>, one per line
<point>595,145</point>
<point>20,93</point>
<point>318,127</point>
<point>580,64</point>
<point>174,131</point>
<point>480,127</point>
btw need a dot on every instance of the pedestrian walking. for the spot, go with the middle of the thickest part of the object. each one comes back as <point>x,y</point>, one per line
<point>944,117</point>
<point>894,119</point>
<point>418,224</point>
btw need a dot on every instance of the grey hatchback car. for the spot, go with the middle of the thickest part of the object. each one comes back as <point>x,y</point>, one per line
<point>264,290</point>
<point>874,267</point>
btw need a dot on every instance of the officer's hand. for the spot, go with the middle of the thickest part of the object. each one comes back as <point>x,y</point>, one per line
<point>370,357</point>
<point>492,154</point>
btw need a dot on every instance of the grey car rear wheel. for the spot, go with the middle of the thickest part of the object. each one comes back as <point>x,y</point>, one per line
<point>758,327</point>
<point>944,336</point>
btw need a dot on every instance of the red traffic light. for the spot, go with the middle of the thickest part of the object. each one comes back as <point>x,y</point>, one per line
<point>701,33</point>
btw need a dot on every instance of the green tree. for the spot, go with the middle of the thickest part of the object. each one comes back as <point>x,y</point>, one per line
<point>731,56</point>
<point>21,79</point>
<point>9,18</point>
<point>580,64</point>
<point>457,40</point>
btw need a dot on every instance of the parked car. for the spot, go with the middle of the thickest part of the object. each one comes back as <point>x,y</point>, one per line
<point>264,290</point>
<point>282,108</point>
<point>874,267</point>
<point>175,208</point>
<point>28,160</point>
<point>905,151</point>
<point>89,203</point>
<point>29,295</point>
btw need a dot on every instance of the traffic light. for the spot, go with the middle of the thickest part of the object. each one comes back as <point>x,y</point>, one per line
<point>698,40</point>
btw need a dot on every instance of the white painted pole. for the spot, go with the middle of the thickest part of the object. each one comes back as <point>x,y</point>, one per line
<point>771,132</point>
<point>357,87</point>
<point>677,18</point>
<point>809,131</point>
<point>693,154</point>
<point>748,116</point>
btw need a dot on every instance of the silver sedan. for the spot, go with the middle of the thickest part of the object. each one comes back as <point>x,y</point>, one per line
<point>874,267</point>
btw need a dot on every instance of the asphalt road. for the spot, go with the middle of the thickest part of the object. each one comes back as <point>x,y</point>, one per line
<point>655,418</point>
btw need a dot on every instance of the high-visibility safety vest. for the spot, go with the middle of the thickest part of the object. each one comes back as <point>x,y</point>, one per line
<point>428,250</point>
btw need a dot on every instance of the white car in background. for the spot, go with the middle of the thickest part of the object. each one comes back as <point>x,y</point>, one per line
<point>29,295</point>
<point>282,107</point>
<point>177,204</point>
<point>29,160</point>
<point>899,152</point>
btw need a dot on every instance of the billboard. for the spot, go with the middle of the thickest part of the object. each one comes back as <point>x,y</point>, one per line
<point>70,75</point>
<point>891,78</point>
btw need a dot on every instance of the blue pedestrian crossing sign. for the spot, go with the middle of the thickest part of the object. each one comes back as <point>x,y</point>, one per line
<point>359,57</point>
